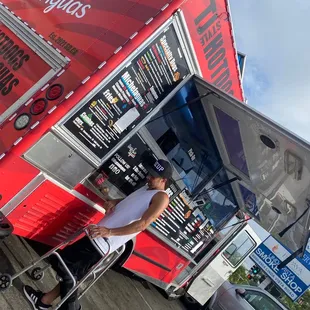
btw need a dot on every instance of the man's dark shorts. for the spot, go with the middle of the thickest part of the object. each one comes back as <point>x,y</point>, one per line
<point>79,258</point>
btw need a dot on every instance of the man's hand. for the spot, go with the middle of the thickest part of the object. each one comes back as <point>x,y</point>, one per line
<point>96,232</point>
<point>110,205</point>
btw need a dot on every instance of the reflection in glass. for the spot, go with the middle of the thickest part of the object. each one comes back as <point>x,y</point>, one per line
<point>260,301</point>
<point>239,248</point>
<point>219,204</point>
<point>185,137</point>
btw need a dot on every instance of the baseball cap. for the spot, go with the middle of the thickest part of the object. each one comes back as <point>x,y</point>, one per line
<point>160,168</point>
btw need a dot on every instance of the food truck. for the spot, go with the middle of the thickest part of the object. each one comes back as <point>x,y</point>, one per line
<point>90,89</point>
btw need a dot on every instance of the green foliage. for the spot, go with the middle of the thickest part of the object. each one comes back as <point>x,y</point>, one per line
<point>240,277</point>
<point>295,305</point>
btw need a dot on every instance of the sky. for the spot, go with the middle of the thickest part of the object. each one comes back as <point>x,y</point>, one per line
<point>274,34</point>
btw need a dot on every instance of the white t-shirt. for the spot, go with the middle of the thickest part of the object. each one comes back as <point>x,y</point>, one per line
<point>127,211</point>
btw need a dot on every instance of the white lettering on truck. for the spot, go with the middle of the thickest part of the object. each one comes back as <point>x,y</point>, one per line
<point>168,52</point>
<point>74,8</point>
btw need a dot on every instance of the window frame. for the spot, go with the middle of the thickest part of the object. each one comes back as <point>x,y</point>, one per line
<point>242,258</point>
<point>253,292</point>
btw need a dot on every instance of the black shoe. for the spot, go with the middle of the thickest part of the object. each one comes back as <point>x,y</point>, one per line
<point>35,298</point>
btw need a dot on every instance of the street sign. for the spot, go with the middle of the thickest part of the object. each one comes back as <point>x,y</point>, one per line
<point>294,279</point>
<point>306,257</point>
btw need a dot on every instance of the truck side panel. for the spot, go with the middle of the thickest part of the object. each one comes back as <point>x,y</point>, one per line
<point>152,258</point>
<point>50,215</point>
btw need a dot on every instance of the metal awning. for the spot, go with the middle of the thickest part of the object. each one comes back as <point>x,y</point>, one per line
<point>273,163</point>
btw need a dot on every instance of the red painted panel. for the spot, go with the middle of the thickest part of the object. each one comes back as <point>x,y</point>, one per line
<point>169,277</point>
<point>88,36</point>
<point>211,33</point>
<point>89,194</point>
<point>137,264</point>
<point>15,173</point>
<point>156,250</point>
<point>50,215</point>
<point>17,75</point>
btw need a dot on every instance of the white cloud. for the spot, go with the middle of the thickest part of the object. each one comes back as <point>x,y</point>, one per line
<point>275,36</point>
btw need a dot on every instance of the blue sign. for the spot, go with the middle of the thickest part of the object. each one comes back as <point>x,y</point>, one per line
<point>306,257</point>
<point>294,279</point>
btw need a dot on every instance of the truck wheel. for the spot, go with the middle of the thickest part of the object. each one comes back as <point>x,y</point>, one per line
<point>190,302</point>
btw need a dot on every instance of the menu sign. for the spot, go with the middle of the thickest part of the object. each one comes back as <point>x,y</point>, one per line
<point>125,169</point>
<point>186,229</point>
<point>131,95</point>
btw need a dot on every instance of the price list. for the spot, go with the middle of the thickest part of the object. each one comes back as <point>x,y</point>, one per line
<point>130,95</point>
<point>187,231</point>
<point>126,169</point>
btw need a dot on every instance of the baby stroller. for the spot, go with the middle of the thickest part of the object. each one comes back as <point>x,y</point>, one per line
<point>93,274</point>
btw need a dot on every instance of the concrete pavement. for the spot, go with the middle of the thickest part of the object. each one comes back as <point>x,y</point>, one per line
<point>112,291</point>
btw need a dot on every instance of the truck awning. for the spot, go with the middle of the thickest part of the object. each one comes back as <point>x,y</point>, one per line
<point>272,162</point>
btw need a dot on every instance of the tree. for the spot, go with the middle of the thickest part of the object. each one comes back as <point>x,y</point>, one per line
<point>295,305</point>
<point>239,276</point>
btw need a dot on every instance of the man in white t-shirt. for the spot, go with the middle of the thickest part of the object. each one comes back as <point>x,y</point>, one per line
<point>124,220</point>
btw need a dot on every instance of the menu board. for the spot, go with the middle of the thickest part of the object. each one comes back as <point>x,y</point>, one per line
<point>130,95</point>
<point>127,170</point>
<point>186,229</point>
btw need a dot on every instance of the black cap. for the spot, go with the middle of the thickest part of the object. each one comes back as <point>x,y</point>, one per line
<point>160,168</point>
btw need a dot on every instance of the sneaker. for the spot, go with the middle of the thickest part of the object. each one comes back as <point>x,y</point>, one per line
<point>35,298</point>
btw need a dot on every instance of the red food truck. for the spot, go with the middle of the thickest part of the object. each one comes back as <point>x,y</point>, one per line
<point>88,88</point>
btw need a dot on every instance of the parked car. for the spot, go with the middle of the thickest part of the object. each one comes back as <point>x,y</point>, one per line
<point>238,297</point>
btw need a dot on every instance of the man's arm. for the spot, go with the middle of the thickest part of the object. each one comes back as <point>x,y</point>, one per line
<point>158,204</point>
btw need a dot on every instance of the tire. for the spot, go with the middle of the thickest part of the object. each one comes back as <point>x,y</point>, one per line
<point>5,282</point>
<point>190,302</point>
<point>37,274</point>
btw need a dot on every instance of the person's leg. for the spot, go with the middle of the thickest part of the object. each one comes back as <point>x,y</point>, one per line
<point>49,297</point>
<point>72,303</point>
<point>87,257</point>
<point>79,257</point>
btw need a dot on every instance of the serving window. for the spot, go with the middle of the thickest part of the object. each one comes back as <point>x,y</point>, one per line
<point>201,198</point>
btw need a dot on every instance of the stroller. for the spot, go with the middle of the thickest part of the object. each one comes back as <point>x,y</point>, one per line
<point>94,273</point>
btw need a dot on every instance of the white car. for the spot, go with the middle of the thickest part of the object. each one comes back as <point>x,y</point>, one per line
<point>239,297</point>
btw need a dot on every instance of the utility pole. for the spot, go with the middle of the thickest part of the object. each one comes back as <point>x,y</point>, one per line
<point>265,283</point>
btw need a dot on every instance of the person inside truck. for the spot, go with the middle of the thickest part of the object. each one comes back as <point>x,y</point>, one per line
<point>124,220</point>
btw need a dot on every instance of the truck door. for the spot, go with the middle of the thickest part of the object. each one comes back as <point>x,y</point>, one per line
<point>223,265</point>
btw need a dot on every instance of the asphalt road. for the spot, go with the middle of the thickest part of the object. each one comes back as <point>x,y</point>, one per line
<point>112,291</point>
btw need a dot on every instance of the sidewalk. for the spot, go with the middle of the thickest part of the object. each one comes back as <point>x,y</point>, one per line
<point>112,291</point>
